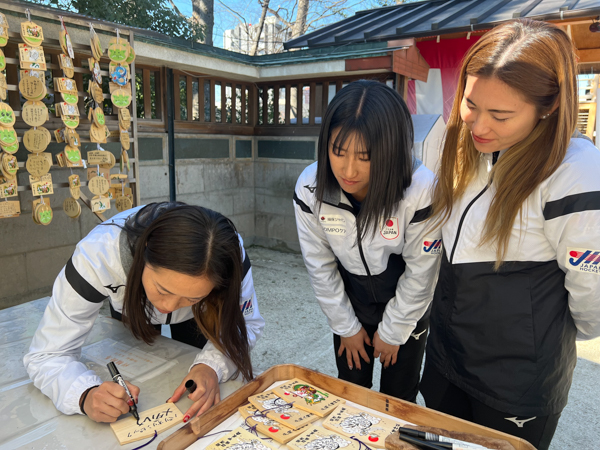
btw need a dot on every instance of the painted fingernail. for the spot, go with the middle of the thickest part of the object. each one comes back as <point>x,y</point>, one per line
<point>130,402</point>
<point>136,399</point>
<point>186,418</point>
<point>168,400</point>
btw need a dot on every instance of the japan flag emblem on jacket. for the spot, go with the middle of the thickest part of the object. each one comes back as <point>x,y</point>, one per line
<point>389,229</point>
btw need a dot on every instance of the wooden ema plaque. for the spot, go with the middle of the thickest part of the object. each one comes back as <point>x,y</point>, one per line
<point>240,439</point>
<point>366,427</point>
<point>410,412</point>
<point>157,419</point>
<point>319,438</point>
<point>279,410</point>
<point>269,427</point>
<point>308,398</point>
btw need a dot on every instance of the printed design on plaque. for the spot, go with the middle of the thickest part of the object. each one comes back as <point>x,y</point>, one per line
<point>72,154</point>
<point>269,427</point>
<point>32,33</point>
<point>42,185</point>
<point>4,36</point>
<point>366,427</point>
<point>9,165</point>
<point>281,411</point>
<point>120,75</point>
<point>2,60</point>
<point>121,98</point>
<point>307,397</point>
<point>431,246</point>
<point>8,187</point>
<point>239,439</point>
<point>7,115</point>
<point>583,260</point>
<point>11,148</point>
<point>8,136</point>
<point>70,121</point>
<point>334,224</point>
<point>118,50</point>
<point>3,86</point>
<point>318,438</point>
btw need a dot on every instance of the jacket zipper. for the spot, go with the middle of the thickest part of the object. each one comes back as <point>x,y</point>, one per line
<point>462,219</point>
<point>495,156</point>
<point>360,249</point>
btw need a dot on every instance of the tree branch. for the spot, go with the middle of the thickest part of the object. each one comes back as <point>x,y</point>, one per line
<point>276,14</point>
<point>177,10</point>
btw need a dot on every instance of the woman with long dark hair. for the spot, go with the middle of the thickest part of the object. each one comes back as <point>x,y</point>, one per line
<point>518,200</point>
<point>361,215</point>
<point>164,263</point>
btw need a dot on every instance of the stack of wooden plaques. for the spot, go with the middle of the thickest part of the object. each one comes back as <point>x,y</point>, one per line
<point>32,86</point>
<point>287,414</point>
<point>8,139</point>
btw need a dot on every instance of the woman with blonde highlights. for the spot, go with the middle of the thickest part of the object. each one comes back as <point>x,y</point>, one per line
<point>518,200</point>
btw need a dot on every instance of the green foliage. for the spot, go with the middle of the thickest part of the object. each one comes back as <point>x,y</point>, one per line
<point>156,15</point>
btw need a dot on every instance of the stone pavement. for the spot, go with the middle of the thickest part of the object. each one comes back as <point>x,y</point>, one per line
<point>296,332</point>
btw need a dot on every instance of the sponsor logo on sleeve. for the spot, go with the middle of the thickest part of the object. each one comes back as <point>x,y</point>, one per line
<point>334,224</point>
<point>583,260</point>
<point>247,307</point>
<point>431,247</point>
<point>390,229</point>
<point>311,189</point>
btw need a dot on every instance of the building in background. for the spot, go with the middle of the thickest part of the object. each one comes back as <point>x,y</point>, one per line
<point>240,38</point>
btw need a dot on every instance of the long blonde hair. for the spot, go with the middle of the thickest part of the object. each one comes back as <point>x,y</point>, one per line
<point>537,60</point>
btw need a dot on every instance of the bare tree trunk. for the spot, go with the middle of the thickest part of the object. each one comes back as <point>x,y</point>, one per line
<point>204,15</point>
<point>299,27</point>
<point>261,24</point>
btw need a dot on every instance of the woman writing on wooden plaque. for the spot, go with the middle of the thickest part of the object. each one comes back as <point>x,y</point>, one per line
<point>518,199</point>
<point>361,215</point>
<point>165,263</point>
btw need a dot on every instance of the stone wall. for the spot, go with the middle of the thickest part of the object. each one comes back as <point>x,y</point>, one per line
<point>254,192</point>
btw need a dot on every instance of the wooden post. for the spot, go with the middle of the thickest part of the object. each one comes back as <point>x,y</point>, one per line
<point>243,104</point>
<point>201,99</point>
<point>233,103</point>
<point>213,116</point>
<point>176,97</point>
<point>147,94</point>
<point>299,103</point>
<point>312,103</point>
<point>134,137</point>
<point>223,102</point>
<point>276,104</point>
<point>190,98</point>
<point>288,89</point>
<point>325,99</point>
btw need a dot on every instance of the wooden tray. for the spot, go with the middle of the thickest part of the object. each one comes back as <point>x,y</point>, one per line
<point>419,415</point>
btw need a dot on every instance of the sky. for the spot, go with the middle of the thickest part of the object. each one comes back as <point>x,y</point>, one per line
<point>250,10</point>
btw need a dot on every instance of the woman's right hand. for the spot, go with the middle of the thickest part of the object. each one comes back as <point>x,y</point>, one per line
<point>105,403</point>
<point>355,348</point>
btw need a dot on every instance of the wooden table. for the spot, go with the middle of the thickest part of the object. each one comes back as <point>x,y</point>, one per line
<point>29,418</point>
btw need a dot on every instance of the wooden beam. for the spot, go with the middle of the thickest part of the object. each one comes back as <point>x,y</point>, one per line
<point>265,109</point>
<point>376,62</point>
<point>589,55</point>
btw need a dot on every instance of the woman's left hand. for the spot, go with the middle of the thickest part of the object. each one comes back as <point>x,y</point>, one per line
<point>386,353</point>
<point>207,391</point>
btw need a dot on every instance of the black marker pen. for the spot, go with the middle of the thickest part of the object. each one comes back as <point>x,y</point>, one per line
<point>438,440</point>
<point>118,378</point>
<point>428,445</point>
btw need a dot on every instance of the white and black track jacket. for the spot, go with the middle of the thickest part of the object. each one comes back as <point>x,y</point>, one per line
<point>387,279</point>
<point>98,271</point>
<point>508,337</point>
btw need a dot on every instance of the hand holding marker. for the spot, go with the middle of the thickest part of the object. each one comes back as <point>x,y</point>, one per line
<point>118,378</point>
